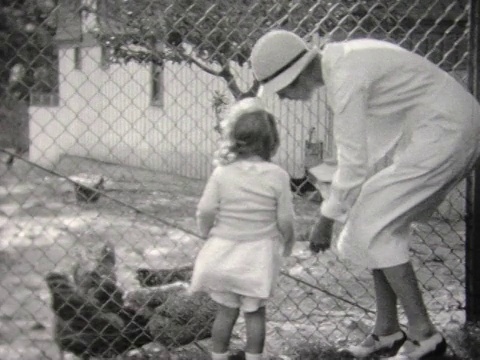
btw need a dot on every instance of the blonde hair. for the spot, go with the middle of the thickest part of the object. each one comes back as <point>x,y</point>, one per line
<point>247,130</point>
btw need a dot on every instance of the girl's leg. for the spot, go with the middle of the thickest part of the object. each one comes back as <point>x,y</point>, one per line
<point>386,320</point>
<point>222,328</point>
<point>255,322</point>
<point>403,281</point>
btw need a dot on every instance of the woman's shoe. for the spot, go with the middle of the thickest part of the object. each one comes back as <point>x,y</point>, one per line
<point>375,345</point>
<point>237,355</point>
<point>429,348</point>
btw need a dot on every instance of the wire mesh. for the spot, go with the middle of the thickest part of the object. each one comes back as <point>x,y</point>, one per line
<point>109,117</point>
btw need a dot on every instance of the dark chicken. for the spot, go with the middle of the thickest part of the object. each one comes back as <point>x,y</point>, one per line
<point>158,277</point>
<point>95,318</point>
<point>88,194</point>
<point>100,283</point>
<point>19,152</point>
<point>91,319</point>
<point>87,330</point>
<point>103,292</point>
<point>9,162</point>
<point>302,185</point>
<point>106,261</point>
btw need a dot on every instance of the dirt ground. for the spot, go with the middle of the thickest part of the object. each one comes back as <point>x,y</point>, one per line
<point>320,302</point>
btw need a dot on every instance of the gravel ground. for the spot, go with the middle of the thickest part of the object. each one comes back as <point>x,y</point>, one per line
<point>320,304</point>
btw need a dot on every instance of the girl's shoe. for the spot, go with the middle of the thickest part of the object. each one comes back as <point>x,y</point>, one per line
<point>429,348</point>
<point>375,345</point>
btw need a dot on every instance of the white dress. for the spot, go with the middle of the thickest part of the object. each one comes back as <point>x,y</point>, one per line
<point>247,268</point>
<point>406,133</point>
<point>250,202</point>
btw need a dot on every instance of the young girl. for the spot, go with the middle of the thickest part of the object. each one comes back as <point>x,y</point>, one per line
<point>246,213</point>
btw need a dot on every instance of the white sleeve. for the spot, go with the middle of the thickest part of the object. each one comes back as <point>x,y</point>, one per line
<point>349,106</point>
<point>207,207</point>
<point>285,210</point>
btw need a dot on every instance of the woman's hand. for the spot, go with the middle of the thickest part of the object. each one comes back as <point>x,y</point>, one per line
<point>321,234</point>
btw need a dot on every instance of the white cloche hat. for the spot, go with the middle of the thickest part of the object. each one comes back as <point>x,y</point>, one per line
<point>278,58</point>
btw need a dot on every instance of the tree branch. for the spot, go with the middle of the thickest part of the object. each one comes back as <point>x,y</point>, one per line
<point>232,85</point>
<point>252,91</point>
<point>198,63</point>
<point>224,73</point>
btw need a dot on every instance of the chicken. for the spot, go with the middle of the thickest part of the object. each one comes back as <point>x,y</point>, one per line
<point>104,264</point>
<point>183,318</point>
<point>86,330</point>
<point>93,317</point>
<point>177,317</point>
<point>88,194</point>
<point>158,277</point>
<point>99,284</point>
<point>9,162</point>
<point>302,185</point>
<point>146,300</point>
<point>103,292</point>
<point>92,303</point>
<point>106,261</point>
<point>19,151</point>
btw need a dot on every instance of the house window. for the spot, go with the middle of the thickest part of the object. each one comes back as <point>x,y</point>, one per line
<point>77,58</point>
<point>157,85</point>
<point>45,88</point>
<point>44,99</point>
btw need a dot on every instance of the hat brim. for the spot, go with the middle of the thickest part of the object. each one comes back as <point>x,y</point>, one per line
<point>286,77</point>
<point>323,172</point>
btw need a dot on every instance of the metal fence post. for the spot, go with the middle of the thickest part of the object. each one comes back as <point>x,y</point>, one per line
<point>472,282</point>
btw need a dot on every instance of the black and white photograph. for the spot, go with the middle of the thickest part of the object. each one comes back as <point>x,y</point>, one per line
<point>239,179</point>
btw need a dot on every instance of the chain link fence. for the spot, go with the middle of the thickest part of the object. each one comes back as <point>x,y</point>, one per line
<point>102,174</point>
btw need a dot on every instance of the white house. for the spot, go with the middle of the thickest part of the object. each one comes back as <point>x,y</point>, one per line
<point>147,116</point>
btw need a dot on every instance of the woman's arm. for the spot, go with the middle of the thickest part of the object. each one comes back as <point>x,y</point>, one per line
<point>349,125</point>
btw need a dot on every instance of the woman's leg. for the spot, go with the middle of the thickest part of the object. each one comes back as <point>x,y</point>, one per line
<point>386,337</point>
<point>255,322</point>
<point>222,328</point>
<point>403,281</point>
<point>386,320</point>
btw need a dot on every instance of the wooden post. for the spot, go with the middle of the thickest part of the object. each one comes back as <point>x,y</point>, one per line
<point>472,258</point>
